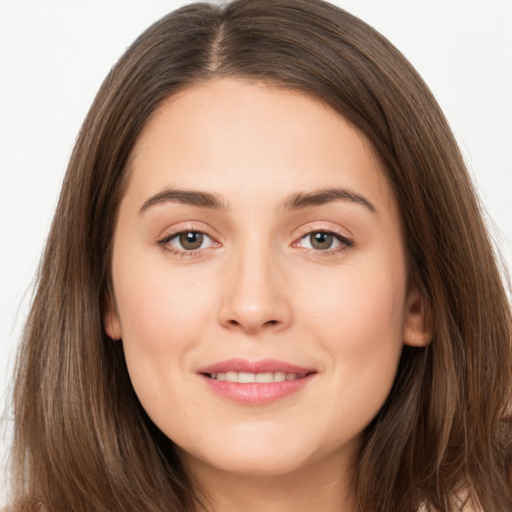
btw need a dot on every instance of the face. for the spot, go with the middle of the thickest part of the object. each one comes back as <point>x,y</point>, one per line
<point>259,276</point>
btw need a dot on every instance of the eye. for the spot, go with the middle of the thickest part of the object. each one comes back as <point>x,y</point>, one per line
<point>324,241</point>
<point>188,241</point>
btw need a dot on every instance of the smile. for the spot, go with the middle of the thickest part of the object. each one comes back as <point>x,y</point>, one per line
<point>255,383</point>
<point>246,377</point>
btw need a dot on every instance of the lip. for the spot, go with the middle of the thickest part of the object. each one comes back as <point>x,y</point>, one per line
<point>262,366</point>
<point>256,393</point>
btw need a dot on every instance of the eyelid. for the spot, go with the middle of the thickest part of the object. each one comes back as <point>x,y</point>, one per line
<point>188,227</point>
<point>338,240</point>
<point>177,236</point>
<point>346,240</point>
<point>325,227</point>
<point>343,240</point>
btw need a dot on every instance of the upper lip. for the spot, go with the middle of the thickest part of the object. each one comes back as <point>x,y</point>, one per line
<point>262,366</point>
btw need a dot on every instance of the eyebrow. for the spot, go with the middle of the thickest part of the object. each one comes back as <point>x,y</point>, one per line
<point>296,201</point>
<point>323,196</point>
<point>191,197</point>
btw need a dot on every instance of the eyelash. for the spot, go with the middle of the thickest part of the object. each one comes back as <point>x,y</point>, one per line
<point>345,243</point>
<point>164,243</point>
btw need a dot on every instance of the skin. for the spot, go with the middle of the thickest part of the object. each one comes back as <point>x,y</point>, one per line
<point>258,289</point>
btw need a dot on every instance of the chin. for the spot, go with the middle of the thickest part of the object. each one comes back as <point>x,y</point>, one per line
<point>256,455</point>
<point>254,464</point>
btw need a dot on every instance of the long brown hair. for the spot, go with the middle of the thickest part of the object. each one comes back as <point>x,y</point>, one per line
<point>82,440</point>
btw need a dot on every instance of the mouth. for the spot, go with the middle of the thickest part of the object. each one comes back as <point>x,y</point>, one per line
<point>255,383</point>
<point>261,378</point>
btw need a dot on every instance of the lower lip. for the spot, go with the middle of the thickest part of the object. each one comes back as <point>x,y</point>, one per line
<point>254,393</point>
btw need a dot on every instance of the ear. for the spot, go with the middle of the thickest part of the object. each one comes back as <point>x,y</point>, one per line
<point>417,330</point>
<point>111,322</point>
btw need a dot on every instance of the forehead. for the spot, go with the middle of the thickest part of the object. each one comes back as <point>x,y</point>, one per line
<point>231,136</point>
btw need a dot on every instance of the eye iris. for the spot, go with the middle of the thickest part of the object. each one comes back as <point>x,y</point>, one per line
<point>191,240</point>
<point>321,241</point>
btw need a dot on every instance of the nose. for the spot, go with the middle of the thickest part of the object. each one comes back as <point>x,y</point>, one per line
<point>255,298</point>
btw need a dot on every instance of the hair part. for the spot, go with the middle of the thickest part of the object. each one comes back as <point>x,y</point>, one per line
<point>82,440</point>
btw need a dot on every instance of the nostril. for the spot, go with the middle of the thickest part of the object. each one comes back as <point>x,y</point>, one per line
<point>248,326</point>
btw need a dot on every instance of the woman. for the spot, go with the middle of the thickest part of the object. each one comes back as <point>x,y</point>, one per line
<point>267,275</point>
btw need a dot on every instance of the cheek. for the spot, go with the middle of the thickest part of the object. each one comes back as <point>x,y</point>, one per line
<point>162,316</point>
<point>361,330</point>
<point>357,307</point>
<point>158,306</point>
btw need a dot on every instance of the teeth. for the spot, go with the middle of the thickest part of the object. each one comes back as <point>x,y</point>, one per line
<point>246,377</point>
<point>264,377</point>
<point>231,377</point>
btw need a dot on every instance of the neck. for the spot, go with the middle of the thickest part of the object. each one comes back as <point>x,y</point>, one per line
<point>324,486</point>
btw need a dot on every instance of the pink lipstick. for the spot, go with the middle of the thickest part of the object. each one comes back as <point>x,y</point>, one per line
<point>255,383</point>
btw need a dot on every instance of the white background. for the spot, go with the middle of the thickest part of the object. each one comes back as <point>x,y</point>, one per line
<point>55,54</point>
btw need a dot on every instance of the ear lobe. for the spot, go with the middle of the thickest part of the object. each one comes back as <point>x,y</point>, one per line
<point>111,322</point>
<point>417,330</point>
